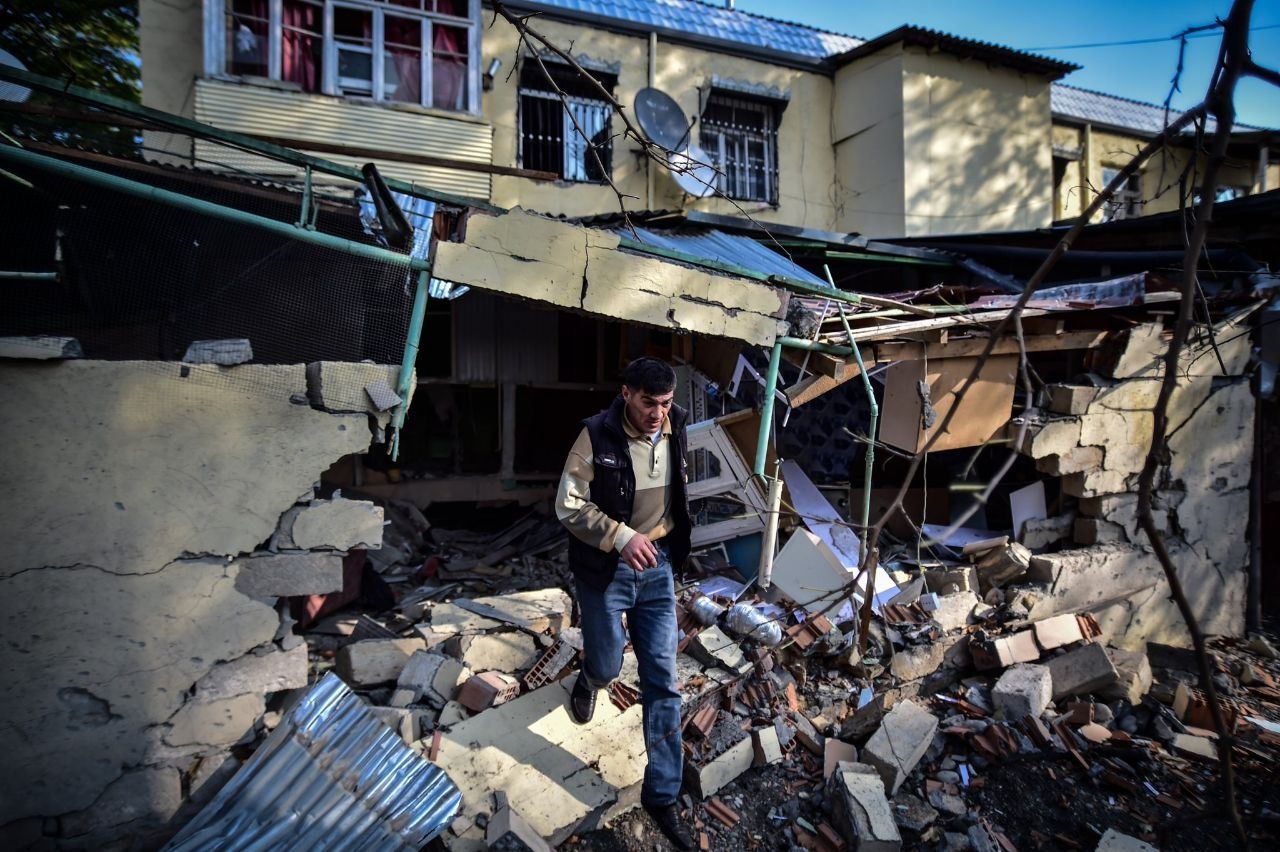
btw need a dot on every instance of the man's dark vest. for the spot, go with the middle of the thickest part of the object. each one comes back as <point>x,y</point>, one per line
<point>613,490</point>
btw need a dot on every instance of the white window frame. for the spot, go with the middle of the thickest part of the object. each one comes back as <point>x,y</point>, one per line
<point>215,52</point>
<point>733,179</point>
<point>575,151</point>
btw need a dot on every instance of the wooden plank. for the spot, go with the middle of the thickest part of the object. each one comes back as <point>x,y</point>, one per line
<point>889,332</point>
<point>818,362</point>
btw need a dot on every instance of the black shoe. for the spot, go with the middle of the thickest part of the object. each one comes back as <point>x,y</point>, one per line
<point>667,818</point>
<point>582,700</point>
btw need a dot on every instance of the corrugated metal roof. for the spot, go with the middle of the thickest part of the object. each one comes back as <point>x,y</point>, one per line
<point>1115,111</point>
<point>725,248</point>
<point>331,776</point>
<point>967,47</point>
<point>704,22</point>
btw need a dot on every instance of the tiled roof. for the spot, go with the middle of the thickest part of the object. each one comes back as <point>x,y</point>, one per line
<point>704,22</point>
<point>1114,111</point>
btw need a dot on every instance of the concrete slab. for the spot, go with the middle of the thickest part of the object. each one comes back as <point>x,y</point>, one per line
<point>900,742</point>
<point>263,671</point>
<point>270,575</point>
<point>375,661</point>
<point>556,773</point>
<point>1114,841</point>
<point>1023,690</point>
<point>339,524</point>
<point>509,652</point>
<point>1081,671</point>
<point>428,678</point>
<point>861,811</point>
<point>1055,632</point>
<point>538,610</point>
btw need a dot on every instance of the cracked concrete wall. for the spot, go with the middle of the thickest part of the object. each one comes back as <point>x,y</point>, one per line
<point>1202,499</point>
<point>130,488</point>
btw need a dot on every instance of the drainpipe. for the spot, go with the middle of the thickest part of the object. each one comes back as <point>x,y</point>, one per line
<point>1264,158</point>
<point>653,82</point>
<point>1086,170</point>
<point>410,359</point>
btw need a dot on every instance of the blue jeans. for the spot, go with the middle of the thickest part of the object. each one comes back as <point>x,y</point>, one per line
<point>648,598</point>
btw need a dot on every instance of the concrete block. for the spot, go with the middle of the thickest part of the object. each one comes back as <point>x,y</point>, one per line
<point>917,661</point>
<point>765,743</point>
<point>955,610</point>
<point>261,672</point>
<point>707,779</point>
<point>289,574</point>
<point>1134,676</point>
<point>400,720</point>
<point>1057,631</point>
<point>1023,690</point>
<point>1097,531</point>
<point>1114,841</point>
<point>1081,671</point>
<point>507,831</point>
<point>1074,460</point>
<point>1005,651</point>
<point>428,678</point>
<point>375,661</point>
<point>1051,437</point>
<point>40,348</point>
<point>712,647</point>
<point>339,524</point>
<point>861,811</point>
<point>224,353</point>
<point>809,572</point>
<point>508,652</point>
<point>1039,533</point>
<point>1070,399</point>
<point>900,742</point>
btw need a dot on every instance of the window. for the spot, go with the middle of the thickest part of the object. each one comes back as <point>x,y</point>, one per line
<point>559,136</point>
<point>740,135</point>
<point>406,51</point>
<point>1127,201</point>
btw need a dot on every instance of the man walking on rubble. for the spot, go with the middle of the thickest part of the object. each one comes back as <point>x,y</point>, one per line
<point>622,496</point>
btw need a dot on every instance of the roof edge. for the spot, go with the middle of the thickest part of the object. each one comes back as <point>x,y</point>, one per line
<point>967,48</point>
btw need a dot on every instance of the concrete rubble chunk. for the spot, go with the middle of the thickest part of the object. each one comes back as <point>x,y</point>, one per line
<point>268,670</point>
<point>210,774</point>
<point>221,722</point>
<point>1097,531</point>
<point>537,610</point>
<point>338,386</point>
<point>507,831</point>
<point>950,580</point>
<point>270,575</point>
<point>1070,399</point>
<point>1051,437</point>
<point>339,524</point>
<point>1074,460</point>
<point>913,813</point>
<point>1057,631</point>
<point>428,678</point>
<point>1002,565</point>
<point>955,611</point>
<point>40,348</point>
<point>1039,533</point>
<point>1114,841</point>
<point>400,720</point>
<point>707,779</point>
<point>860,809</point>
<point>375,661</point>
<point>448,619</point>
<point>1081,671</point>
<point>712,647</point>
<point>224,353</point>
<point>917,661</point>
<point>508,652</point>
<point>1023,690</point>
<point>1195,746</point>
<point>900,742</point>
<point>766,745</point>
<point>1134,676</point>
<point>381,395</point>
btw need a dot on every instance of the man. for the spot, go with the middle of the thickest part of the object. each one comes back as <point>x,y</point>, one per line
<point>622,496</point>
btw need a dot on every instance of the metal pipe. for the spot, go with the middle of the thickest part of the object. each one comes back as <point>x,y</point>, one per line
<point>813,345</point>
<point>205,208</point>
<point>410,359</point>
<point>764,572</point>
<point>766,411</point>
<point>30,276</point>
<point>869,467</point>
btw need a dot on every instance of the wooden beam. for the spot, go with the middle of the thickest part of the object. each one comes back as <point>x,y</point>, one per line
<point>889,332</point>
<point>818,362</point>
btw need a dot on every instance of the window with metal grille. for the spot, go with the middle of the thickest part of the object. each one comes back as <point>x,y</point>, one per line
<point>740,135</point>
<point>1126,203</point>
<point>568,136</point>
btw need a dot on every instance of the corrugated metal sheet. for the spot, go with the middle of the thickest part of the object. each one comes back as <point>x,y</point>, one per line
<point>330,777</point>
<point>706,22</point>
<point>725,248</point>
<point>475,351</point>
<point>294,115</point>
<point>1114,111</point>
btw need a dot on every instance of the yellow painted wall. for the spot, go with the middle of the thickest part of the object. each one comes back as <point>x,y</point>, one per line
<point>868,139</point>
<point>805,156</point>
<point>170,36</point>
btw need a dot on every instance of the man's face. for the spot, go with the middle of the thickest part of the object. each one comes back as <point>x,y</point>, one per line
<point>646,411</point>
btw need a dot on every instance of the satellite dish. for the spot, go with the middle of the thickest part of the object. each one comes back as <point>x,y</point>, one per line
<point>693,172</point>
<point>661,119</point>
<point>12,91</point>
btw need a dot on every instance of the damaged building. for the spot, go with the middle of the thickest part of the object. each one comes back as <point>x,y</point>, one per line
<point>289,385</point>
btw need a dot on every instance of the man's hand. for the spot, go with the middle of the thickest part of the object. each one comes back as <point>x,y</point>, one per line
<point>639,553</point>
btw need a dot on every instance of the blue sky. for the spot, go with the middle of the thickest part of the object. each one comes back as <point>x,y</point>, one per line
<point>1140,71</point>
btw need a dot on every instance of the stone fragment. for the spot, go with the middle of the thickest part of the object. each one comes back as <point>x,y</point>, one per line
<point>706,779</point>
<point>224,353</point>
<point>861,811</point>
<point>1057,631</point>
<point>1134,676</point>
<point>712,647</point>
<point>507,831</point>
<point>1023,690</point>
<point>508,652</point>
<point>1114,841</point>
<point>221,722</point>
<point>289,574</point>
<point>1070,399</point>
<point>374,661</point>
<point>429,678</point>
<point>339,525</point>
<point>955,610</point>
<point>900,742</point>
<point>266,670</point>
<point>40,348</point>
<point>917,661</point>
<point>1081,671</point>
<point>913,813</point>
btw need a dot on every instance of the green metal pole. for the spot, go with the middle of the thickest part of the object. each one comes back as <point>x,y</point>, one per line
<point>22,157</point>
<point>30,276</point>
<point>766,411</point>
<point>404,387</point>
<point>869,468</point>
<point>814,346</point>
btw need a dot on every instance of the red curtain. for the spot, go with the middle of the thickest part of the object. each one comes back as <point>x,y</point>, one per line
<point>449,67</point>
<point>302,45</point>
<point>403,38</point>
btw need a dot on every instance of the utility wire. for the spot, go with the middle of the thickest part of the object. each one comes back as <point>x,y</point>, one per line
<point>1210,27</point>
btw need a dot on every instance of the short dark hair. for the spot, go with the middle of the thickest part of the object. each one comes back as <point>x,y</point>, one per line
<point>649,375</point>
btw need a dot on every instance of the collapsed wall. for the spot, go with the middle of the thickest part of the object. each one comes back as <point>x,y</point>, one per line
<point>138,586</point>
<point>1096,437</point>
